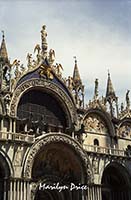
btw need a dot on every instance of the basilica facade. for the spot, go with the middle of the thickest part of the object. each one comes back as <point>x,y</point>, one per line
<point>53,145</point>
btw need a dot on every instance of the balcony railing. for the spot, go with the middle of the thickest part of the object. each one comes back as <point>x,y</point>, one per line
<point>16,137</point>
<point>104,150</point>
<point>4,136</point>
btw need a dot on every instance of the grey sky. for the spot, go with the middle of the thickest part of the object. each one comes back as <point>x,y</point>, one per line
<point>97,32</point>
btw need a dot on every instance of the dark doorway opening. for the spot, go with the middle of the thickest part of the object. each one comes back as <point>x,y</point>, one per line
<point>115,183</point>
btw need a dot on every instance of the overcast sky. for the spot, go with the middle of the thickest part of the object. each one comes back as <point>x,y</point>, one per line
<point>97,32</point>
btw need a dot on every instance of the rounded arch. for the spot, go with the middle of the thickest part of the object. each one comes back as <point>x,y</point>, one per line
<point>104,116</point>
<point>44,113</point>
<point>115,182</point>
<point>5,172</point>
<point>47,85</point>
<point>2,108</point>
<point>96,142</point>
<point>61,139</point>
<point>124,128</point>
<point>6,164</point>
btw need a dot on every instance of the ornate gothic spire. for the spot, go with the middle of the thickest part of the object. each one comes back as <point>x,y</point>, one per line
<point>76,76</point>
<point>78,88</point>
<point>3,50</point>
<point>111,98</point>
<point>110,92</point>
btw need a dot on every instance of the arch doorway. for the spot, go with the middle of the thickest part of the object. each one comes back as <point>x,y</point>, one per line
<point>4,177</point>
<point>57,164</point>
<point>115,183</point>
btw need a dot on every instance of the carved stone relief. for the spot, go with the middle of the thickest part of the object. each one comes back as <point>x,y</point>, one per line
<point>95,165</point>
<point>125,130</point>
<point>94,123</point>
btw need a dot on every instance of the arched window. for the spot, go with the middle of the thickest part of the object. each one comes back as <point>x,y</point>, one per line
<point>39,111</point>
<point>96,142</point>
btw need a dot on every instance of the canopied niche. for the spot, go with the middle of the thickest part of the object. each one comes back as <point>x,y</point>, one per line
<point>40,111</point>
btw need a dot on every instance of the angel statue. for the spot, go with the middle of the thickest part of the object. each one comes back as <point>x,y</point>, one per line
<point>29,60</point>
<point>37,48</point>
<point>70,82</point>
<point>58,69</point>
<point>51,56</point>
<point>16,64</point>
<point>17,71</point>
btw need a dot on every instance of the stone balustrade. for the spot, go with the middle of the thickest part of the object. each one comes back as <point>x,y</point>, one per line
<point>17,137</point>
<point>104,150</point>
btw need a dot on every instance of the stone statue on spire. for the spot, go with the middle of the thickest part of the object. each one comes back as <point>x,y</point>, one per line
<point>127,100</point>
<point>96,89</point>
<point>43,33</point>
<point>44,41</point>
<point>3,34</point>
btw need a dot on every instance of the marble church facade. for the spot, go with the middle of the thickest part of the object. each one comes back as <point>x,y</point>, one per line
<point>49,136</point>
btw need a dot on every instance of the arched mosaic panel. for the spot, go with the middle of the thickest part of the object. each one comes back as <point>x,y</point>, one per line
<point>125,130</point>
<point>94,123</point>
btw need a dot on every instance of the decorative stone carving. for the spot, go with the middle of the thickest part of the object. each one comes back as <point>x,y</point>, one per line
<point>127,100</point>
<point>56,137</point>
<point>97,103</point>
<point>33,189</point>
<point>70,83</point>
<point>29,60</point>
<point>125,130</point>
<point>51,58</point>
<point>46,71</point>
<point>18,157</point>
<point>58,70</point>
<point>7,100</point>
<point>93,123</point>
<point>95,165</point>
<point>96,89</point>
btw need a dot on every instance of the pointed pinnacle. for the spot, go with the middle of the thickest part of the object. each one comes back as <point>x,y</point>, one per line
<point>110,90</point>
<point>3,50</point>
